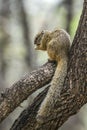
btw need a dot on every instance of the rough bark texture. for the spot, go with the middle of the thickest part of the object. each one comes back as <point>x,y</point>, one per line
<point>13,96</point>
<point>74,94</point>
<point>26,120</point>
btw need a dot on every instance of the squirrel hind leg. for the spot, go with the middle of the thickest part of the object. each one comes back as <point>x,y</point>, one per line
<point>52,50</point>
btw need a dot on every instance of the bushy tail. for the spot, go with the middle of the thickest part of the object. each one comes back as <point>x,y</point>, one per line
<point>58,78</point>
<point>53,92</point>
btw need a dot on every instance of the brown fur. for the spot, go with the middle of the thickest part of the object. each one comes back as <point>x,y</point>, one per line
<point>57,44</point>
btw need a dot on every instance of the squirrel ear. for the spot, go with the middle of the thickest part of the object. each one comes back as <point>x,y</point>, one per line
<point>43,32</point>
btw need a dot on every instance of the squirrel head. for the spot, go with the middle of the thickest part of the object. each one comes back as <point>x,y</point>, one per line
<point>41,40</point>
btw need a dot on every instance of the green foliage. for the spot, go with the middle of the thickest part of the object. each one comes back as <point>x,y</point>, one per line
<point>74,24</point>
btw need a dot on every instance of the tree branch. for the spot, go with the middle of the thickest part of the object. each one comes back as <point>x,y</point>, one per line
<point>19,91</point>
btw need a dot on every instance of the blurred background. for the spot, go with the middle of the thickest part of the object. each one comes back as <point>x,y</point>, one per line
<point>20,21</point>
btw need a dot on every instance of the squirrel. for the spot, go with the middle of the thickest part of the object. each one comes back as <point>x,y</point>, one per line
<point>57,44</point>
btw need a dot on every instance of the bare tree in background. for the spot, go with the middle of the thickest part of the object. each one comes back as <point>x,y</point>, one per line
<point>69,8</point>
<point>68,4</point>
<point>18,10</point>
<point>29,58</point>
<point>4,37</point>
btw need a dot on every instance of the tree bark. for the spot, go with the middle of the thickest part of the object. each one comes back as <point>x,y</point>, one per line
<point>19,91</point>
<point>74,93</point>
